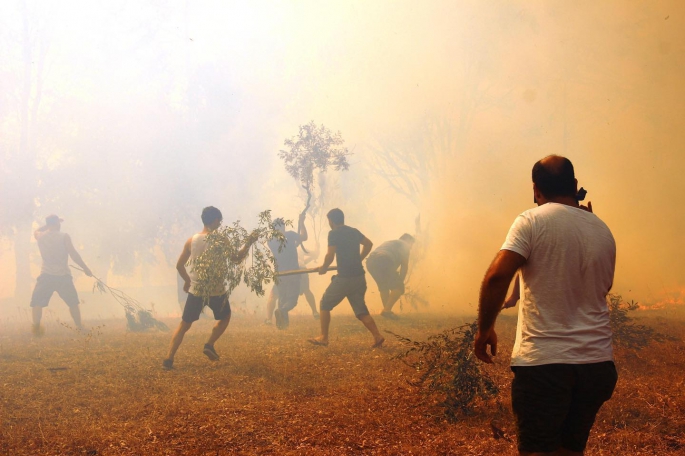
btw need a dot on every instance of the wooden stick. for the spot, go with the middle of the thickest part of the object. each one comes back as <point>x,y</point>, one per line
<point>302,271</point>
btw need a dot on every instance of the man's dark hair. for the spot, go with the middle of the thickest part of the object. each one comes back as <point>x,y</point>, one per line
<point>210,214</point>
<point>555,178</point>
<point>336,216</point>
<point>407,237</point>
<point>279,222</point>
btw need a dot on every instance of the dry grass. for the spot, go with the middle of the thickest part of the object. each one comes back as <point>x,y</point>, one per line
<point>272,393</point>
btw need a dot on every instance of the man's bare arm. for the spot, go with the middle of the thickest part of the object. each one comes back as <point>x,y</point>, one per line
<point>514,296</point>
<point>366,247</point>
<point>404,267</point>
<point>492,292</point>
<point>327,260</point>
<point>242,253</point>
<point>302,228</point>
<point>181,265</point>
<point>76,257</point>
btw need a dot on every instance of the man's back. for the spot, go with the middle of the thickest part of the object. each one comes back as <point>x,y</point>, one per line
<point>397,250</point>
<point>570,257</point>
<point>53,249</point>
<point>286,259</point>
<point>347,241</point>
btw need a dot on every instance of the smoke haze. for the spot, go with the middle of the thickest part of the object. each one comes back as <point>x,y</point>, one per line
<point>126,119</point>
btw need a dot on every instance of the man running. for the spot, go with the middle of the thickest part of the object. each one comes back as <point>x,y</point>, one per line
<point>218,301</point>
<point>287,291</point>
<point>350,282</point>
<point>55,249</point>
<point>383,264</point>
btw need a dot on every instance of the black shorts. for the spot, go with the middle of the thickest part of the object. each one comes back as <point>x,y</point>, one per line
<point>47,284</point>
<point>352,288</point>
<point>384,271</point>
<point>304,283</point>
<point>194,305</point>
<point>555,404</point>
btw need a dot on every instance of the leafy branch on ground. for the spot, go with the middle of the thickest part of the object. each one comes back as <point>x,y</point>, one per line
<point>138,318</point>
<point>448,370</point>
<point>216,269</point>
<point>627,333</point>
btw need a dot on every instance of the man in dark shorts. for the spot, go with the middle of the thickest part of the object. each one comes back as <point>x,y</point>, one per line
<point>562,358</point>
<point>288,289</point>
<point>350,281</point>
<point>218,301</point>
<point>55,249</point>
<point>383,264</point>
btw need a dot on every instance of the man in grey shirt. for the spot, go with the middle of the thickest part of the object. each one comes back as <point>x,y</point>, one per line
<point>383,264</point>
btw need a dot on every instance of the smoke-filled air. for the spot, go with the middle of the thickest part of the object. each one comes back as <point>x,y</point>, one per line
<point>121,121</point>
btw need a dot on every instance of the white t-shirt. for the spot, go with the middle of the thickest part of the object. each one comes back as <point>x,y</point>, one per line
<point>570,258</point>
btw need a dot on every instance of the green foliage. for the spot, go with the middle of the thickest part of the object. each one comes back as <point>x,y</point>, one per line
<point>220,268</point>
<point>314,148</point>
<point>626,333</point>
<point>448,369</point>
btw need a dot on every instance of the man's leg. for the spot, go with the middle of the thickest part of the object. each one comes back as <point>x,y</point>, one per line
<point>218,329</point>
<point>356,292</point>
<point>371,326</point>
<point>271,305</point>
<point>37,314</point>
<point>393,297</point>
<point>385,296</point>
<point>309,296</point>
<point>325,325</point>
<point>75,312</point>
<point>333,295</point>
<point>177,338</point>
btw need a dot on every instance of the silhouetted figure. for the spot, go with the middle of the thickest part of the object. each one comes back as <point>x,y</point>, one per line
<point>55,249</point>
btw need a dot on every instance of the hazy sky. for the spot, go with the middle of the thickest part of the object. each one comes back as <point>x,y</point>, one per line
<point>486,87</point>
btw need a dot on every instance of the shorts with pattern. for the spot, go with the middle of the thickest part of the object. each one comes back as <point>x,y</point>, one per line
<point>352,288</point>
<point>195,304</point>
<point>47,284</point>
<point>555,404</point>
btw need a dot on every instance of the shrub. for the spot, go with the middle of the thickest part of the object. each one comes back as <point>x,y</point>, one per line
<point>626,333</point>
<point>448,370</point>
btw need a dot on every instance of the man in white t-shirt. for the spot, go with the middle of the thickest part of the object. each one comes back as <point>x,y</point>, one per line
<point>562,358</point>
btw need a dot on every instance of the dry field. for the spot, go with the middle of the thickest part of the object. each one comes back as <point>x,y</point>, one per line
<point>105,393</point>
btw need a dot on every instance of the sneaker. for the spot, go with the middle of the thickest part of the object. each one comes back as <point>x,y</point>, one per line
<point>37,330</point>
<point>268,322</point>
<point>210,352</point>
<point>280,323</point>
<point>168,364</point>
<point>316,316</point>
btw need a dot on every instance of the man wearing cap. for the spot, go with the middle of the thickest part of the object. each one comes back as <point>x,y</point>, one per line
<point>55,249</point>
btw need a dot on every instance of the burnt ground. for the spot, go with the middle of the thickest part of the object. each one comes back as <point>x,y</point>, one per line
<point>103,392</point>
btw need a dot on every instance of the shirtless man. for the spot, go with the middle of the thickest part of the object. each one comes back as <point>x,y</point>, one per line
<point>218,302</point>
<point>55,249</point>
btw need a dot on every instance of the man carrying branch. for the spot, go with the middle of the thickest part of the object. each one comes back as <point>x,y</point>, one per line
<point>383,265</point>
<point>218,299</point>
<point>350,282</point>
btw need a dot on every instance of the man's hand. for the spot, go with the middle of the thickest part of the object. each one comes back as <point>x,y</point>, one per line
<point>186,286</point>
<point>88,272</point>
<point>481,345</point>
<point>588,207</point>
<point>322,270</point>
<point>253,237</point>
